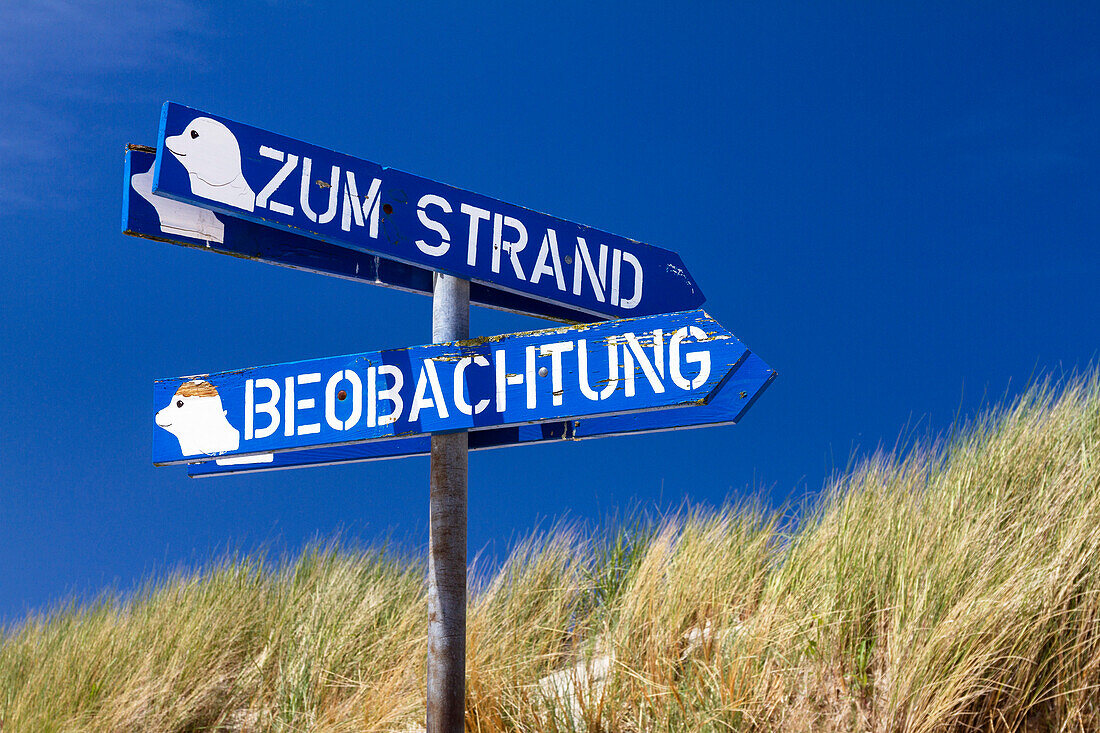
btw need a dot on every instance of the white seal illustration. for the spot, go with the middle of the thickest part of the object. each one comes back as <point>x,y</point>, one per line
<point>178,218</point>
<point>212,157</point>
<point>195,416</point>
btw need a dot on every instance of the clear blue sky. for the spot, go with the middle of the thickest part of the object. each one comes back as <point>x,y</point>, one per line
<point>897,209</point>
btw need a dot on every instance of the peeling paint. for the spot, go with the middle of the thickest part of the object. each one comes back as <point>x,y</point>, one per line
<point>613,276</point>
<point>524,378</point>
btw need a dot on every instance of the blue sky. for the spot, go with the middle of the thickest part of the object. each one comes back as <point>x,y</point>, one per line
<point>898,209</point>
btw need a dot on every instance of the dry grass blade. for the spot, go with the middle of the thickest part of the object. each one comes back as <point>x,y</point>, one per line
<point>953,588</point>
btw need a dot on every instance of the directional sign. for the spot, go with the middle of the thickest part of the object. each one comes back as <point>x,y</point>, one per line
<point>612,368</point>
<point>734,398</point>
<point>149,216</point>
<point>280,182</point>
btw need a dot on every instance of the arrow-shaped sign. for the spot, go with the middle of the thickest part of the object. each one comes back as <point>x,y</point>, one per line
<point>612,368</point>
<point>727,407</point>
<point>149,216</point>
<point>280,182</point>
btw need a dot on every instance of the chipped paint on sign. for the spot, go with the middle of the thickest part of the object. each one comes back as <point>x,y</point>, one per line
<point>751,377</point>
<point>283,183</point>
<point>616,368</point>
<point>149,216</point>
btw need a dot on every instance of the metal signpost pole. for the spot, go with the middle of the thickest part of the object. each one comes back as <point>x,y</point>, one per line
<point>447,536</point>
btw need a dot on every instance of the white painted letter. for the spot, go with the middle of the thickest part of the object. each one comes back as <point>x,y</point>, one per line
<point>612,369</point>
<point>392,394</point>
<point>530,377</point>
<point>503,380</point>
<point>288,407</point>
<point>616,261</point>
<point>308,403</point>
<point>370,206</point>
<point>249,399</point>
<point>636,296</point>
<point>549,247</point>
<point>658,356</point>
<point>513,248</point>
<point>581,255</point>
<point>351,204</point>
<point>356,400</point>
<point>372,397</point>
<point>555,351</point>
<point>430,199</point>
<point>702,358</point>
<point>333,189</point>
<point>271,407</point>
<point>436,400</point>
<point>262,198</point>
<point>476,216</point>
<point>460,384</point>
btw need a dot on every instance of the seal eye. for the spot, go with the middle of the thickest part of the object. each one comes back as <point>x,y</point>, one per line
<point>194,134</point>
<point>179,403</point>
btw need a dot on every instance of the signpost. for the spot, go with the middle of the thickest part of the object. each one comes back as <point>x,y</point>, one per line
<point>149,216</point>
<point>446,671</point>
<point>727,407</point>
<point>647,361</point>
<point>280,182</point>
<point>609,368</point>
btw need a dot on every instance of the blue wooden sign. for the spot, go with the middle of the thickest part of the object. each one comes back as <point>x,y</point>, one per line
<point>734,397</point>
<point>610,368</point>
<point>149,216</point>
<point>280,182</point>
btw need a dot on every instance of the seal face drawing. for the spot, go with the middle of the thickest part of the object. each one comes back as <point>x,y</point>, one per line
<point>209,152</point>
<point>195,416</point>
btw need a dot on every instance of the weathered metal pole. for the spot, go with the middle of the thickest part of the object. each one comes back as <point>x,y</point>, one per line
<point>447,536</point>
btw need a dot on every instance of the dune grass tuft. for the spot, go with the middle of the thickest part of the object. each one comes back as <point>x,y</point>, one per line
<point>952,588</point>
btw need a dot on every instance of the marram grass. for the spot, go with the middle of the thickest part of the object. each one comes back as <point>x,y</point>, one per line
<point>955,588</point>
